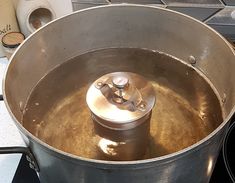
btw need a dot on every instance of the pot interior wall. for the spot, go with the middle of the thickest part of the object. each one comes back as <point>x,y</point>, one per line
<point>119,26</point>
<point>187,109</point>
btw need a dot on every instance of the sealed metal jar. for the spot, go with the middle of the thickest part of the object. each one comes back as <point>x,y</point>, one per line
<point>121,105</point>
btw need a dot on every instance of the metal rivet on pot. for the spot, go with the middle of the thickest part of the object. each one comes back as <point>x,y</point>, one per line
<point>192,60</point>
<point>21,106</point>
<point>142,106</point>
<point>224,98</point>
<point>99,85</point>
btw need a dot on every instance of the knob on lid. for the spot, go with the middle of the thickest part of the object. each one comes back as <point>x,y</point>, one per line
<point>121,97</point>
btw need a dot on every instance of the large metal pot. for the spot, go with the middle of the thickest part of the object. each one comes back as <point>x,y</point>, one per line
<point>122,26</point>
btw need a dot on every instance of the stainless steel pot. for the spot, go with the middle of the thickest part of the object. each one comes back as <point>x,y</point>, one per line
<point>122,26</point>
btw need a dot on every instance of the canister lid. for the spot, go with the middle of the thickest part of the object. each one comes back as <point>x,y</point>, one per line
<point>12,39</point>
<point>121,97</point>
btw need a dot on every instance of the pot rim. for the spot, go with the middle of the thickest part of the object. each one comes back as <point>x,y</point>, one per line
<point>168,157</point>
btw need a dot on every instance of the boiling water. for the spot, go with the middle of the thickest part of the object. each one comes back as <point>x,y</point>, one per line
<point>187,108</point>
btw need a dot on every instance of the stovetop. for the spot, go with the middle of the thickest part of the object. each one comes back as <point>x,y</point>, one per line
<point>24,174</point>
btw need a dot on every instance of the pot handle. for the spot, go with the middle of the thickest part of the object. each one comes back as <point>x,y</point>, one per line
<point>225,151</point>
<point>22,150</point>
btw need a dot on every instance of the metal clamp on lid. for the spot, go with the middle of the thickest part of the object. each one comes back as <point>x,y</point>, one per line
<point>119,92</point>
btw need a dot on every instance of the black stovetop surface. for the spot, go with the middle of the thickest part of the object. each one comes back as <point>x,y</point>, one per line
<point>24,174</point>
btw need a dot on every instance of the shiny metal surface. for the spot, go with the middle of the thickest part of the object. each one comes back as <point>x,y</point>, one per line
<point>120,82</point>
<point>120,105</point>
<point>129,29</point>
<point>122,98</point>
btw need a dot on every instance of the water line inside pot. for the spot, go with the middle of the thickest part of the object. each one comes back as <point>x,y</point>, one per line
<point>186,111</point>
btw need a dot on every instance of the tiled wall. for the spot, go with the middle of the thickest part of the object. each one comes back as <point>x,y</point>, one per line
<point>217,13</point>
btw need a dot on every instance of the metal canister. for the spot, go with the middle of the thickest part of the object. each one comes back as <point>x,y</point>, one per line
<point>121,105</point>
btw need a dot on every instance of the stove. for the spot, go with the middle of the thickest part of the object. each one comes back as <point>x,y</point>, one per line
<point>24,174</point>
